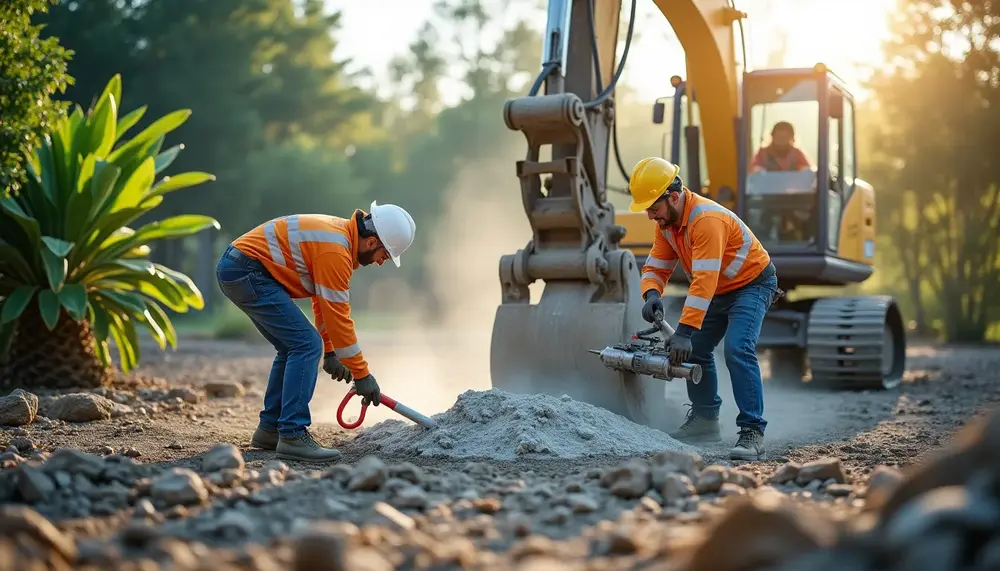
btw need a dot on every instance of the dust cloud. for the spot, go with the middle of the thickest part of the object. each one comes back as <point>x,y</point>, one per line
<point>430,360</point>
<point>424,366</point>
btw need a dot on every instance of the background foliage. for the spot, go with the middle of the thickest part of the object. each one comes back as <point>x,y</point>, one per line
<point>285,128</point>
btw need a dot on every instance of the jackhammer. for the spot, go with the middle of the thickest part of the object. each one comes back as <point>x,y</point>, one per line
<point>643,355</point>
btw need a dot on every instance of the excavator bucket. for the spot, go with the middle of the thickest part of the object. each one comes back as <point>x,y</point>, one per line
<point>591,296</point>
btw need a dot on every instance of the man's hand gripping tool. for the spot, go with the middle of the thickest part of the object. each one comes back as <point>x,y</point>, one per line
<point>393,404</point>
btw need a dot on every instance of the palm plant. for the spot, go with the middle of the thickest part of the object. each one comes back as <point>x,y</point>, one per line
<point>73,275</point>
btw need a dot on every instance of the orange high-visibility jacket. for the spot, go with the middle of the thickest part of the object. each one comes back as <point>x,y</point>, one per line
<point>314,255</point>
<point>717,251</point>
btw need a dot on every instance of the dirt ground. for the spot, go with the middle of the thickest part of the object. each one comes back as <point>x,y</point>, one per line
<point>943,389</point>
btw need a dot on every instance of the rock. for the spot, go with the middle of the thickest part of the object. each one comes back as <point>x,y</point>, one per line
<point>178,486</point>
<point>75,462</point>
<point>676,487</point>
<point>961,509</point>
<point>882,483</point>
<point>368,475</point>
<point>119,410</point>
<point>323,545</point>
<point>760,531</point>
<point>233,524</point>
<point>223,457</point>
<point>787,473</point>
<point>710,479</point>
<point>630,480</point>
<point>822,469</point>
<point>731,489</point>
<point>839,490</point>
<point>19,519</point>
<point>582,503</point>
<point>407,471</point>
<point>741,478</point>
<point>410,497</point>
<point>80,407</point>
<point>186,394</point>
<point>33,484</point>
<point>19,408</point>
<point>224,389</point>
<point>22,443</point>
<point>669,461</point>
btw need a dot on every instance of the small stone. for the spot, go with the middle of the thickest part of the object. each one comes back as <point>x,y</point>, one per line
<point>821,469</point>
<point>787,473</point>
<point>730,489</point>
<point>178,486</point>
<point>582,503</point>
<point>322,546</point>
<point>221,457</point>
<point>742,479</point>
<point>15,520</point>
<point>883,481</point>
<point>22,443</point>
<point>19,408</point>
<point>412,497</point>
<point>839,490</point>
<point>487,505</point>
<point>630,480</point>
<point>186,394</point>
<point>224,389</point>
<point>676,487</point>
<point>369,474</point>
<point>710,479</point>
<point>34,485</point>
<point>80,407</point>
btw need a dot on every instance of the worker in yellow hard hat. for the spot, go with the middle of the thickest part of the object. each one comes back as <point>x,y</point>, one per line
<point>733,283</point>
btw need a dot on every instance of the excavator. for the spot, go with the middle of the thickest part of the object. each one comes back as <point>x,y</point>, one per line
<point>818,224</point>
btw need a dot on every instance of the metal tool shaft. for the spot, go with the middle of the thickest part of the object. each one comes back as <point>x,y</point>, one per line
<point>396,406</point>
<point>646,363</point>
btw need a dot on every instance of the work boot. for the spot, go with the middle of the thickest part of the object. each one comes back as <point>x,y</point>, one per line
<point>698,430</point>
<point>264,438</point>
<point>305,449</point>
<point>749,446</point>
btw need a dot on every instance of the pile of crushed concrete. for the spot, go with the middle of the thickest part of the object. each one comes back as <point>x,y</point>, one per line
<point>498,425</point>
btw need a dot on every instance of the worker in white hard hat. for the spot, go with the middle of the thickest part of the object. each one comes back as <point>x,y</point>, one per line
<point>309,256</point>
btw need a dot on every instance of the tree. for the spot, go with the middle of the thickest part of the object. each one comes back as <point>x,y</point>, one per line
<point>939,198</point>
<point>32,70</point>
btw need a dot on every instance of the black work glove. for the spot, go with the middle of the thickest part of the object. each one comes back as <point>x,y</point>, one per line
<point>368,389</point>
<point>653,304</point>
<point>680,348</point>
<point>336,369</point>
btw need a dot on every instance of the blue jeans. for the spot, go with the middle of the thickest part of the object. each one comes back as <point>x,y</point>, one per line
<point>737,316</point>
<point>247,283</point>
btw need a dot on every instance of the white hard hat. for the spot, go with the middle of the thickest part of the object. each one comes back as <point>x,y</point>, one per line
<point>395,227</point>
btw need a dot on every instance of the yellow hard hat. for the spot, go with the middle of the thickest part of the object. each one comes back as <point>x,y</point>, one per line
<point>650,178</point>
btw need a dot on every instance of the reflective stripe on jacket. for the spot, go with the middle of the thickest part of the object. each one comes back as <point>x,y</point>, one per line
<point>314,255</point>
<point>717,251</point>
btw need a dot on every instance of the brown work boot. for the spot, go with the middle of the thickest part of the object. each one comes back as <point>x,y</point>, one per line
<point>264,438</point>
<point>304,448</point>
<point>749,446</point>
<point>698,430</point>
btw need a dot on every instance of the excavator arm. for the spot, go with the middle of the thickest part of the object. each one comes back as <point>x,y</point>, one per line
<point>591,295</point>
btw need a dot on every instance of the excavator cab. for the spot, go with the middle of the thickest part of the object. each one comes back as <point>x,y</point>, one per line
<point>800,186</point>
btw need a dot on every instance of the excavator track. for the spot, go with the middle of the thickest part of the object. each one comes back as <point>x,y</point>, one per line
<point>856,343</point>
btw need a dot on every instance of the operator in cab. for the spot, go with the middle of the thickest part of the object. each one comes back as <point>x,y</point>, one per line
<point>732,285</point>
<point>309,256</point>
<point>781,154</point>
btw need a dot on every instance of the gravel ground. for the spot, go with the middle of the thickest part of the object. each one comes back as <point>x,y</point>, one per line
<point>160,475</point>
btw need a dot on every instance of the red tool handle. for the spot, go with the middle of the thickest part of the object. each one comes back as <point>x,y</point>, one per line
<point>361,418</point>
